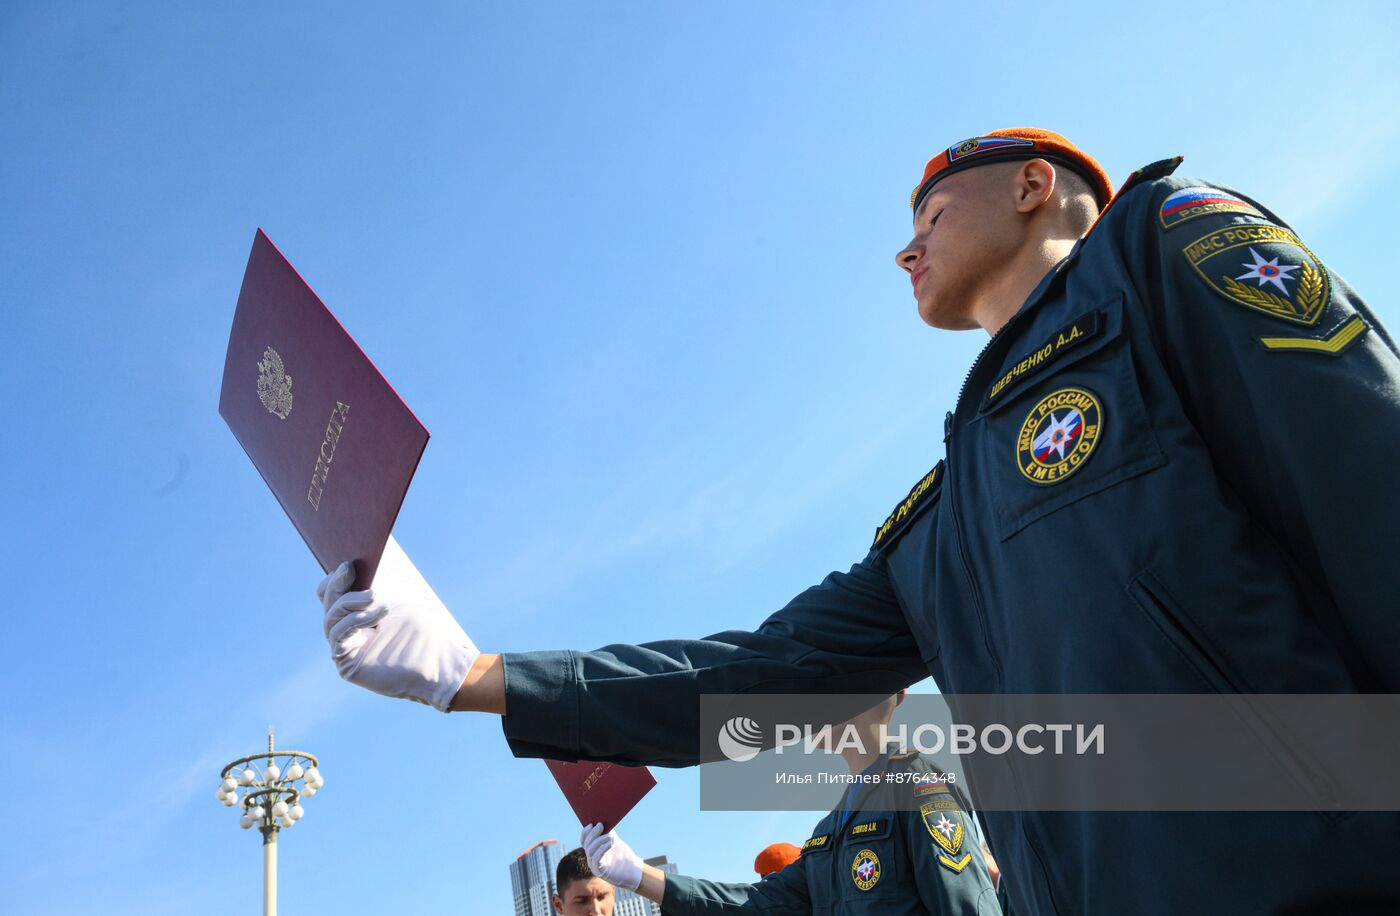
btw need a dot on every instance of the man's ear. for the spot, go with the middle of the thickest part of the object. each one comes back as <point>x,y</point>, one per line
<point>1035,185</point>
<point>558,905</point>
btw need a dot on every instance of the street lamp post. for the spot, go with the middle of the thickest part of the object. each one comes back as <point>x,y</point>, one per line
<point>270,801</point>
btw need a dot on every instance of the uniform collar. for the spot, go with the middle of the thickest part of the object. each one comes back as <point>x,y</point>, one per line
<point>1150,172</point>
<point>857,790</point>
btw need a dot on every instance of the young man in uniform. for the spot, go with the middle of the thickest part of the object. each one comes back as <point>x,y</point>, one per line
<point>1167,472</point>
<point>578,891</point>
<point>873,854</point>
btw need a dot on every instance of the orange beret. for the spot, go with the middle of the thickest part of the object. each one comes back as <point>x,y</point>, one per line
<point>1009,145</point>
<point>775,858</point>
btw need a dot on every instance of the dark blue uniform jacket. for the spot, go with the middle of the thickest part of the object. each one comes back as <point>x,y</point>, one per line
<point>1168,473</point>
<point>871,858</point>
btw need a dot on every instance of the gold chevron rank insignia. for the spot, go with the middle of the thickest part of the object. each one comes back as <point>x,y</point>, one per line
<point>944,820</point>
<point>1330,344</point>
<point>1263,267</point>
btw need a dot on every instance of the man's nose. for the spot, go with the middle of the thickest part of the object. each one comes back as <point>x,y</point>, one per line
<point>908,256</point>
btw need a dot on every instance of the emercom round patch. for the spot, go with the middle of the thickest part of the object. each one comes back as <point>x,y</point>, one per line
<point>1059,435</point>
<point>865,870</point>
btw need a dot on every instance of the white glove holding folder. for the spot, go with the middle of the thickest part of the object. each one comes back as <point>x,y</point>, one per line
<point>610,858</point>
<point>397,638</point>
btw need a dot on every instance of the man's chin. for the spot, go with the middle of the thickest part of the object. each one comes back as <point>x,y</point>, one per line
<point>945,319</point>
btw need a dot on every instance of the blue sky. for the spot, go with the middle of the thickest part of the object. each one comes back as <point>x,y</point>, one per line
<point>633,266</point>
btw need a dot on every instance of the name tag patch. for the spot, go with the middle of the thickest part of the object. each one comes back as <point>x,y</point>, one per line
<point>869,830</point>
<point>1079,331</point>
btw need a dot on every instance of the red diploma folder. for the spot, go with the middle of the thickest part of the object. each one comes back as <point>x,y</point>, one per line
<point>334,442</point>
<point>601,793</point>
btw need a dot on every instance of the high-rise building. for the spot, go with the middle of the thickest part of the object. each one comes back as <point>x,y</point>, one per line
<point>661,863</point>
<point>532,879</point>
<point>629,904</point>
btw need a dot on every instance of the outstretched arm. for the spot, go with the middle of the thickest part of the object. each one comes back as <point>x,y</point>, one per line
<point>641,704</point>
<point>782,894</point>
<point>627,704</point>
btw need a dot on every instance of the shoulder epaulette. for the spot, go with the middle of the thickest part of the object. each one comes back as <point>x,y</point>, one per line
<point>1150,172</point>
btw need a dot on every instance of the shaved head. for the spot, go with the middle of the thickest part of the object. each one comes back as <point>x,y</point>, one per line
<point>984,236</point>
<point>1071,201</point>
<point>1076,199</point>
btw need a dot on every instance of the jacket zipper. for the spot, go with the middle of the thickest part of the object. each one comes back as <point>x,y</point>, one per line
<point>948,424</point>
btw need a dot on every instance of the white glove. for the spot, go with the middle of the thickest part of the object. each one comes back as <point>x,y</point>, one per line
<point>397,638</point>
<point>610,858</point>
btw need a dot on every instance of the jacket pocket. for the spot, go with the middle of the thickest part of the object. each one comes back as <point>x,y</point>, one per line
<point>1167,618</point>
<point>1075,429</point>
<point>1179,630</point>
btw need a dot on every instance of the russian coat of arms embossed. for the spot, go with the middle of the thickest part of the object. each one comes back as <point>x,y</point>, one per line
<point>274,385</point>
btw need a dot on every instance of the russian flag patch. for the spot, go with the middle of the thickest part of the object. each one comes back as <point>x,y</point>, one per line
<point>1189,203</point>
